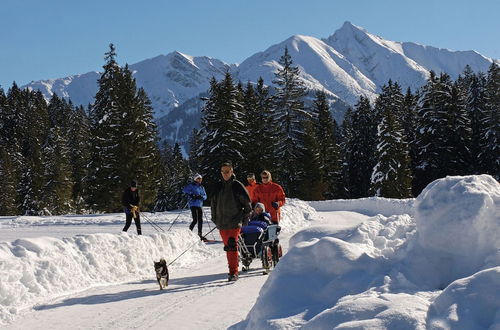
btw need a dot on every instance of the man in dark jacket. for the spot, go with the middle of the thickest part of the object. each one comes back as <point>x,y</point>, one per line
<point>230,208</point>
<point>130,202</point>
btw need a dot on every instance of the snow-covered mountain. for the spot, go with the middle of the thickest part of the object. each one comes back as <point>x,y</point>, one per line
<point>169,80</point>
<point>347,64</point>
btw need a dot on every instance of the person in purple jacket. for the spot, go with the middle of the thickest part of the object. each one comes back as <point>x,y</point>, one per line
<point>196,195</point>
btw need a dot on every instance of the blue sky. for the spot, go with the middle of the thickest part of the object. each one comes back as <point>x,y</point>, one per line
<point>56,38</point>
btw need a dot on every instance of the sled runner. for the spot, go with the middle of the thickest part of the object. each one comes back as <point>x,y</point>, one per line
<point>259,240</point>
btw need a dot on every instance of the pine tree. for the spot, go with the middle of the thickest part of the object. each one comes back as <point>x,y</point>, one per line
<point>8,205</point>
<point>473,86</point>
<point>124,144</point>
<point>329,149</point>
<point>57,190</point>
<point>175,176</point>
<point>360,148</point>
<point>409,123</point>
<point>252,122</point>
<point>257,115</point>
<point>104,176</point>
<point>7,173</point>
<point>289,113</point>
<point>459,133</point>
<point>222,130</point>
<point>431,129</point>
<point>32,130</point>
<point>311,186</point>
<point>391,176</point>
<point>346,152</point>
<point>79,145</point>
<point>489,158</point>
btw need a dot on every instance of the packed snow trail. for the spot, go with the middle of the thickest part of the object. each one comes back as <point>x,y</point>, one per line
<point>197,296</point>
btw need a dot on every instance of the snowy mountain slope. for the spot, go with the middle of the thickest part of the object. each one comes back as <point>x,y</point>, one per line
<point>405,62</point>
<point>169,80</point>
<point>349,63</point>
<point>321,66</point>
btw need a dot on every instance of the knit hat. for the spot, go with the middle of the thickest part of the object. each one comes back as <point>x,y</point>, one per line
<point>261,206</point>
<point>251,176</point>
<point>133,184</point>
<point>196,176</point>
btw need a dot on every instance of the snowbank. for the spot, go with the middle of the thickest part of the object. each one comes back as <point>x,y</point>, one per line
<point>382,274</point>
<point>458,221</point>
<point>36,269</point>
<point>296,214</point>
<point>369,206</point>
<point>468,303</point>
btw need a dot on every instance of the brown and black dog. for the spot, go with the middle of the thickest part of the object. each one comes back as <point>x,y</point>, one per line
<point>161,270</point>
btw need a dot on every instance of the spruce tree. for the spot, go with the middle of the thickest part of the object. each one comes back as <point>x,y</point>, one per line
<point>33,130</point>
<point>222,130</point>
<point>104,176</point>
<point>311,185</point>
<point>124,144</point>
<point>391,175</point>
<point>289,112</point>
<point>8,192</point>
<point>57,190</point>
<point>360,146</point>
<point>409,124</point>
<point>473,85</point>
<point>431,129</point>
<point>329,149</point>
<point>80,151</point>
<point>8,205</point>
<point>175,175</point>
<point>489,157</point>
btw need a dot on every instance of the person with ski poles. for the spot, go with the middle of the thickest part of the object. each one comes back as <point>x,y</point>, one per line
<point>130,202</point>
<point>271,195</point>
<point>231,207</point>
<point>196,195</point>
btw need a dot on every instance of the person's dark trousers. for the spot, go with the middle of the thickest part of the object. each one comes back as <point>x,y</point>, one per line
<point>197,214</point>
<point>128,221</point>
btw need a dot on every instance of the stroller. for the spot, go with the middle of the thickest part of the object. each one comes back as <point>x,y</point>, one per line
<point>259,239</point>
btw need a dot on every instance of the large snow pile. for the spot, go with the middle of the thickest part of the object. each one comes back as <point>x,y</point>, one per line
<point>36,269</point>
<point>390,272</point>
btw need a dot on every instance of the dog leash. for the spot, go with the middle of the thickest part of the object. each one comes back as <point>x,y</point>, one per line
<point>189,248</point>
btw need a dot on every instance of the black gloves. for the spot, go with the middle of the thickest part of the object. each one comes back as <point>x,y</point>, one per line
<point>275,205</point>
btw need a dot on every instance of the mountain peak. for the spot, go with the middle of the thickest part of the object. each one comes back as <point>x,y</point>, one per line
<point>348,30</point>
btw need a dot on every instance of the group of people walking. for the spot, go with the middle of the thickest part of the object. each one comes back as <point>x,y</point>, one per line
<point>231,207</point>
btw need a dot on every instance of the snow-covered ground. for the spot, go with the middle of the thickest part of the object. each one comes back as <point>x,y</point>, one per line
<point>431,262</point>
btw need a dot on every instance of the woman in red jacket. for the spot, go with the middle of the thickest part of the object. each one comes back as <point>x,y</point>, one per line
<point>270,194</point>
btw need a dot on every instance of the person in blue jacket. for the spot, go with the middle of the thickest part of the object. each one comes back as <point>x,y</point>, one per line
<point>196,195</point>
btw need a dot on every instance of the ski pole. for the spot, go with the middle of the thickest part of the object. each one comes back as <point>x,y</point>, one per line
<point>208,222</point>
<point>211,230</point>
<point>177,217</point>
<point>152,223</point>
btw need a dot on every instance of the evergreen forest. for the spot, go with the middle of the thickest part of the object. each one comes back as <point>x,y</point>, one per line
<point>58,158</point>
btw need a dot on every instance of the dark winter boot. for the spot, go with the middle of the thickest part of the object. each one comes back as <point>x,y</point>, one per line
<point>232,278</point>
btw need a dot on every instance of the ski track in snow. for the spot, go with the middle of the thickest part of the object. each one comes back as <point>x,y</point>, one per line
<point>197,296</point>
